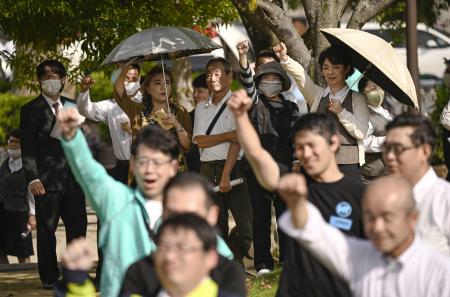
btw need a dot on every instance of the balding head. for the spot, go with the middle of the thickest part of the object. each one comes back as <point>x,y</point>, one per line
<point>391,189</point>
<point>389,214</point>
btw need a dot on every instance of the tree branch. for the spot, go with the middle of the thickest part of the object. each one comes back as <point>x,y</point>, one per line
<point>281,25</point>
<point>255,26</point>
<point>365,10</point>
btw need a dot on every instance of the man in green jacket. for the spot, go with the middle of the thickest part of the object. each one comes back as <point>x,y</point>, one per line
<point>127,215</point>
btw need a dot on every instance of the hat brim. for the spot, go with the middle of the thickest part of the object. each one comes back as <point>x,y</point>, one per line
<point>275,70</point>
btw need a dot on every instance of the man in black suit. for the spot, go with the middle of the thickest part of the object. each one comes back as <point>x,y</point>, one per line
<point>48,176</point>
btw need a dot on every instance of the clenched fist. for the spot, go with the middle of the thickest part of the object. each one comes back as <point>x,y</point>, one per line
<point>239,103</point>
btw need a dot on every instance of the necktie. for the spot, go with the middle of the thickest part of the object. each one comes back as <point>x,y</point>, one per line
<point>56,107</point>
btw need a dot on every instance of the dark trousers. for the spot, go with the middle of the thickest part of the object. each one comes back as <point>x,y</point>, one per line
<point>69,204</point>
<point>238,201</point>
<point>262,219</point>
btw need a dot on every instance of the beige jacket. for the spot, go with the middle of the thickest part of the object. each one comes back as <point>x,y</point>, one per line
<point>356,123</point>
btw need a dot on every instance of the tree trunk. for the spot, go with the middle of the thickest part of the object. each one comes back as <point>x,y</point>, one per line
<point>182,76</point>
<point>320,14</point>
<point>259,33</point>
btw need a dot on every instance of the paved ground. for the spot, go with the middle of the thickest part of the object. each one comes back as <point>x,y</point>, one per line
<point>22,280</point>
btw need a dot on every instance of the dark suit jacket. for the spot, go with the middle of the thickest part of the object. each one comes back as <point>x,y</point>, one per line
<point>42,156</point>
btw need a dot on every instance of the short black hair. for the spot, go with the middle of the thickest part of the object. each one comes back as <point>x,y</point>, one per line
<point>223,61</point>
<point>185,180</point>
<point>136,66</point>
<point>155,137</point>
<point>317,122</point>
<point>363,81</point>
<point>268,53</point>
<point>200,81</point>
<point>337,55</point>
<point>190,221</point>
<point>55,66</point>
<point>14,133</point>
<point>424,132</point>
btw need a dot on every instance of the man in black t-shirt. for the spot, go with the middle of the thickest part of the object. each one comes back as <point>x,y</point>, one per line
<point>336,196</point>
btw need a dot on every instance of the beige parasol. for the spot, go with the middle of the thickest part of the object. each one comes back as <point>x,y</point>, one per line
<point>377,60</point>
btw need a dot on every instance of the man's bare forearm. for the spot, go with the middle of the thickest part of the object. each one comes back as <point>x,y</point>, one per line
<point>205,141</point>
<point>233,153</point>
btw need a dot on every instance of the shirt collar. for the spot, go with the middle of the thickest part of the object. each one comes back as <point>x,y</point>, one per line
<point>338,94</point>
<point>381,111</point>
<point>50,102</point>
<point>15,165</point>
<point>406,256</point>
<point>410,252</point>
<point>225,98</point>
<point>424,184</point>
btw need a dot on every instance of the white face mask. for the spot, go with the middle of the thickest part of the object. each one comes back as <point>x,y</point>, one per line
<point>138,97</point>
<point>375,98</point>
<point>446,79</point>
<point>270,88</point>
<point>14,153</point>
<point>132,87</point>
<point>51,87</point>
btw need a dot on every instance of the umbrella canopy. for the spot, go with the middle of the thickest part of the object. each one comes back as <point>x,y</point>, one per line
<point>160,43</point>
<point>377,60</point>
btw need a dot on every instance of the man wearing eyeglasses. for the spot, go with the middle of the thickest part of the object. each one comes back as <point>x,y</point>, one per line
<point>410,140</point>
<point>127,215</point>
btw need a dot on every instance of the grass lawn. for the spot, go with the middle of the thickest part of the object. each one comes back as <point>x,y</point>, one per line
<point>265,286</point>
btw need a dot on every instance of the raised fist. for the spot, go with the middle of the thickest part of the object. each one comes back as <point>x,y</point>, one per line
<point>281,51</point>
<point>242,47</point>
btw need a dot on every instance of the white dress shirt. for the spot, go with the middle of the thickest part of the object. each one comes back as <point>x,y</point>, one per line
<point>204,114</point>
<point>432,195</point>
<point>372,143</point>
<point>109,112</point>
<point>420,271</point>
<point>50,103</point>
<point>356,123</point>
<point>154,210</point>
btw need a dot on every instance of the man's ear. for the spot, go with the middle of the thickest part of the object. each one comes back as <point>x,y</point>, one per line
<point>213,215</point>
<point>427,151</point>
<point>174,165</point>
<point>334,142</point>
<point>212,259</point>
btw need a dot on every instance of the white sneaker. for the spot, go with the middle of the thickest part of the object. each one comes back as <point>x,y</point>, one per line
<point>263,272</point>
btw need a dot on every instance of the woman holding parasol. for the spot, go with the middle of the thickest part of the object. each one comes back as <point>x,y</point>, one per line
<point>348,108</point>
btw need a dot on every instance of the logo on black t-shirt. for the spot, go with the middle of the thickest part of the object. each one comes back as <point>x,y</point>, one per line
<point>343,210</point>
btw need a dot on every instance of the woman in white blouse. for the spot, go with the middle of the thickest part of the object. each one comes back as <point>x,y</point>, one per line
<point>348,108</point>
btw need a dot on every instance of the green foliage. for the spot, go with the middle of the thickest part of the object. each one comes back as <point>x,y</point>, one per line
<point>42,28</point>
<point>442,97</point>
<point>394,16</point>
<point>103,87</point>
<point>265,286</point>
<point>10,113</point>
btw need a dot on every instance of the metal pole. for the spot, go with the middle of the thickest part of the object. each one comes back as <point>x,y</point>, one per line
<point>411,45</point>
<point>165,85</point>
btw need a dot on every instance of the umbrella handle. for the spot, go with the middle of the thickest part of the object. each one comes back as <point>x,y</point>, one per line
<point>359,78</point>
<point>165,85</point>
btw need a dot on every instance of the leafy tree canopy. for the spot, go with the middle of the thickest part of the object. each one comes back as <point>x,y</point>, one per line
<point>44,28</point>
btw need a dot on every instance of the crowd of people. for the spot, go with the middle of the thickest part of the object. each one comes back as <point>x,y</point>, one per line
<point>359,209</point>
